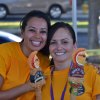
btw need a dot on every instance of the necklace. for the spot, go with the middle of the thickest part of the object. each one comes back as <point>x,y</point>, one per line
<point>72,71</point>
<point>51,87</point>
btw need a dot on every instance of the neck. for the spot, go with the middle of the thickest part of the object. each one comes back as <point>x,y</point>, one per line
<point>62,65</point>
<point>24,49</point>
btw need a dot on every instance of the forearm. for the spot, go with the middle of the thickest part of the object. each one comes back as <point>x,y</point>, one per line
<point>38,94</point>
<point>15,92</point>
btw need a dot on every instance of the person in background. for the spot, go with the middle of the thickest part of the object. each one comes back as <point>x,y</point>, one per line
<point>14,69</point>
<point>62,44</point>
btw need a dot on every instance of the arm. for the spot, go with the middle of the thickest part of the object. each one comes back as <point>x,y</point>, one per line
<point>36,74</point>
<point>14,92</point>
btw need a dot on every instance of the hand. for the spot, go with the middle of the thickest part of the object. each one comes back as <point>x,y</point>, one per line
<point>36,77</point>
<point>37,85</point>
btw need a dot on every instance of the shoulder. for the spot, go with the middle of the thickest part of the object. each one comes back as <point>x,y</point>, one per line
<point>90,70</point>
<point>8,48</point>
<point>8,45</point>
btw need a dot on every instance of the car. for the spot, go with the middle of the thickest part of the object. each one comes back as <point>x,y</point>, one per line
<point>53,7</point>
<point>8,37</point>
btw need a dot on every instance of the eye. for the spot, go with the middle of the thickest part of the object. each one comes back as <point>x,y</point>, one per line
<point>43,32</point>
<point>52,42</point>
<point>32,30</point>
<point>65,42</point>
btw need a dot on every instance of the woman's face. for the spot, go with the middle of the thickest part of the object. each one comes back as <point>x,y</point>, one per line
<point>35,34</point>
<point>61,45</point>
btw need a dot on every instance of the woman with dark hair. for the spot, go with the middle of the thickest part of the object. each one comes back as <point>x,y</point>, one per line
<point>62,75</point>
<point>14,69</point>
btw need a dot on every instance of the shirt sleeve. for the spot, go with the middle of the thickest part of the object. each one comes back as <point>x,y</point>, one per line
<point>2,67</point>
<point>96,88</point>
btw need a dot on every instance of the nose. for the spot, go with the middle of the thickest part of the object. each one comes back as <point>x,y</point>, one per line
<point>37,35</point>
<point>59,47</point>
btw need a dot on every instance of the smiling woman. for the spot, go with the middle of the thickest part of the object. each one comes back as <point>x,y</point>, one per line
<point>14,57</point>
<point>65,79</point>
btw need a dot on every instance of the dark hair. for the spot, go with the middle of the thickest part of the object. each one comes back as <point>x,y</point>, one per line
<point>34,13</point>
<point>39,14</point>
<point>58,25</point>
<point>54,28</point>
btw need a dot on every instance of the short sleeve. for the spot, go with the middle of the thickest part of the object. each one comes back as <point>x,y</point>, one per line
<point>96,88</point>
<point>2,67</point>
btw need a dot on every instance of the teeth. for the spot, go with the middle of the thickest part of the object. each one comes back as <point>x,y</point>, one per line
<point>35,43</point>
<point>59,54</point>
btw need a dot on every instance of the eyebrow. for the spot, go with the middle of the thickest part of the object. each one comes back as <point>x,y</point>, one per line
<point>61,39</point>
<point>35,27</point>
<point>65,39</point>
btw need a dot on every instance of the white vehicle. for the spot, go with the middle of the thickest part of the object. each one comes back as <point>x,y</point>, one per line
<point>8,37</point>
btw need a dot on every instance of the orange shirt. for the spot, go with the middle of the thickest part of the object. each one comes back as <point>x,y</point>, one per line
<point>14,67</point>
<point>91,84</point>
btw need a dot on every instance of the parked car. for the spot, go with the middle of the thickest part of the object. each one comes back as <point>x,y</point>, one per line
<point>8,37</point>
<point>53,7</point>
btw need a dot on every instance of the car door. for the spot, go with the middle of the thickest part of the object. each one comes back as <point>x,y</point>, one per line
<point>39,5</point>
<point>21,6</point>
<point>24,6</point>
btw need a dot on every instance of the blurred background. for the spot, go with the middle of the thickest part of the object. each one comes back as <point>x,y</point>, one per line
<point>87,19</point>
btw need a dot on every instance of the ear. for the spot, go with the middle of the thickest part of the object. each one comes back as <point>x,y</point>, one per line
<point>75,46</point>
<point>22,34</point>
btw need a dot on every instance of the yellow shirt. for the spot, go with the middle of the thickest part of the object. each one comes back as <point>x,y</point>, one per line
<point>91,84</point>
<point>14,67</point>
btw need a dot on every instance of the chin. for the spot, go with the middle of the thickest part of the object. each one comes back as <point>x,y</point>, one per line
<point>60,60</point>
<point>35,49</point>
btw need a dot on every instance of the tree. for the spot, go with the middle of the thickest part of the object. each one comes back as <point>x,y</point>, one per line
<point>93,22</point>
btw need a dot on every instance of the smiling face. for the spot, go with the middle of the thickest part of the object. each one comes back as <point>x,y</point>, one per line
<point>34,35</point>
<point>61,45</point>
